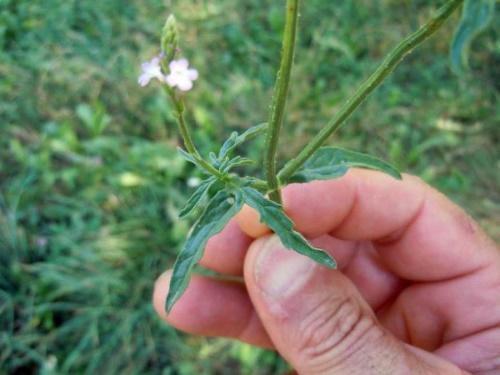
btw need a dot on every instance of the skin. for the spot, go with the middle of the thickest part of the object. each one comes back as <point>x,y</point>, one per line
<point>417,289</point>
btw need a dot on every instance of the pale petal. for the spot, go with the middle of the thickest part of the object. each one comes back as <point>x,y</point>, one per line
<point>178,65</point>
<point>144,79</point>
<point>192,74</point>
<point>155,61</point>
<point>171,80</point>
<point>185,84</point>
<point>153,69</point>
<point>174,65</point>
<point>183,63</point>
<point>156,73</point>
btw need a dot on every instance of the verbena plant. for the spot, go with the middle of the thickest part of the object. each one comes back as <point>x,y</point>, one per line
<point>223,192</point>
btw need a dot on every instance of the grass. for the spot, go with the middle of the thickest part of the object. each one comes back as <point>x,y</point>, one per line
<point>90,183</point>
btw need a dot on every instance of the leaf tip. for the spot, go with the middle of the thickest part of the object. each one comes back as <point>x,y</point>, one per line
<point>170,301</point>
<point>397,175</point>
<point>330,262</point>
<point>183,214</point>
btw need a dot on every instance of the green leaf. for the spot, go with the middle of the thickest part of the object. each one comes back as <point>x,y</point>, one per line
<point>237,161</point>
<point>332,162</point>
<point>476,16</point>
<point>188,157</point>
<point>213,158</point>
<point>236,139</point>
<point>273,216</point>
<point>197,197</point>
<point>221,208</point>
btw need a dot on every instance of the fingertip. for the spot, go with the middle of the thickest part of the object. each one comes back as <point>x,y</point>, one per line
<point>412,179</point>
<point>160,293</point>
<point>249,222</point>
<point>211,307</point>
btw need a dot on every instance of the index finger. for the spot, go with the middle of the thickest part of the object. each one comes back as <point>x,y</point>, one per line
<point>419,233</point>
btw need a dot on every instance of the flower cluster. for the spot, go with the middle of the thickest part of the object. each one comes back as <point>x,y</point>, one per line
<point>180,75</point>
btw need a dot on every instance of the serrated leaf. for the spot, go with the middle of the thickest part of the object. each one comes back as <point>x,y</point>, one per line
<point>273,216</point>
<point>197,197</point>
<point>221,208</point>
<point>333,162</point>
<point>476,16</point>
<point>236,139</point>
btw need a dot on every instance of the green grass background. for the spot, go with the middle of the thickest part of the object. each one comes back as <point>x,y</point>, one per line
<point>91,185</point>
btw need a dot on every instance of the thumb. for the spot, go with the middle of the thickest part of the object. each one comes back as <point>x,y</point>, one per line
<point>319,322</point>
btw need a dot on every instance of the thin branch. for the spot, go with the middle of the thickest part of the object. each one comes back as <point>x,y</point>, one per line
<point>388,65</point>
<point>280,97</point>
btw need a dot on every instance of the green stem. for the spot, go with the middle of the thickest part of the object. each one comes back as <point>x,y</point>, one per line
<point>186,136</point>
<point>279,98</point>
<point>388,65</point>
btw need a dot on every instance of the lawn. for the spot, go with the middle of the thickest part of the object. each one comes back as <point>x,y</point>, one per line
<point>91,183</point>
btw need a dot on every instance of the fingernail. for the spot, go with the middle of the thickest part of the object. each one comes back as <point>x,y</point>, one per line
<point>281,273</point>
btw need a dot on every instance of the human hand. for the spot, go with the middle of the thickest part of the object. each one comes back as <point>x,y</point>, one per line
<point>417,290</point>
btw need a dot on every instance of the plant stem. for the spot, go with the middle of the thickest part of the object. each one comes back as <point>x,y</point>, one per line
<point>279,98</point>
<point>186,136</point>
<point>388,65</point>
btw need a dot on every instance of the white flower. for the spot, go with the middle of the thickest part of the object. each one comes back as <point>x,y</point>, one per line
<point>151,69</point>
<point>180,75</point>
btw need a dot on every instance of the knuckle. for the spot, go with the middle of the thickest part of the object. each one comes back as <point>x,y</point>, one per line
<point>334,329</point>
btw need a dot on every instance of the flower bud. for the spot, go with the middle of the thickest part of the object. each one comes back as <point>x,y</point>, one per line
<point>169,39</point>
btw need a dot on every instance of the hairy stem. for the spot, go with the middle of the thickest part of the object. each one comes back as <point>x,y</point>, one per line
<point>279,98</point>
<point>388,65</point>
<point>186,136</point>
